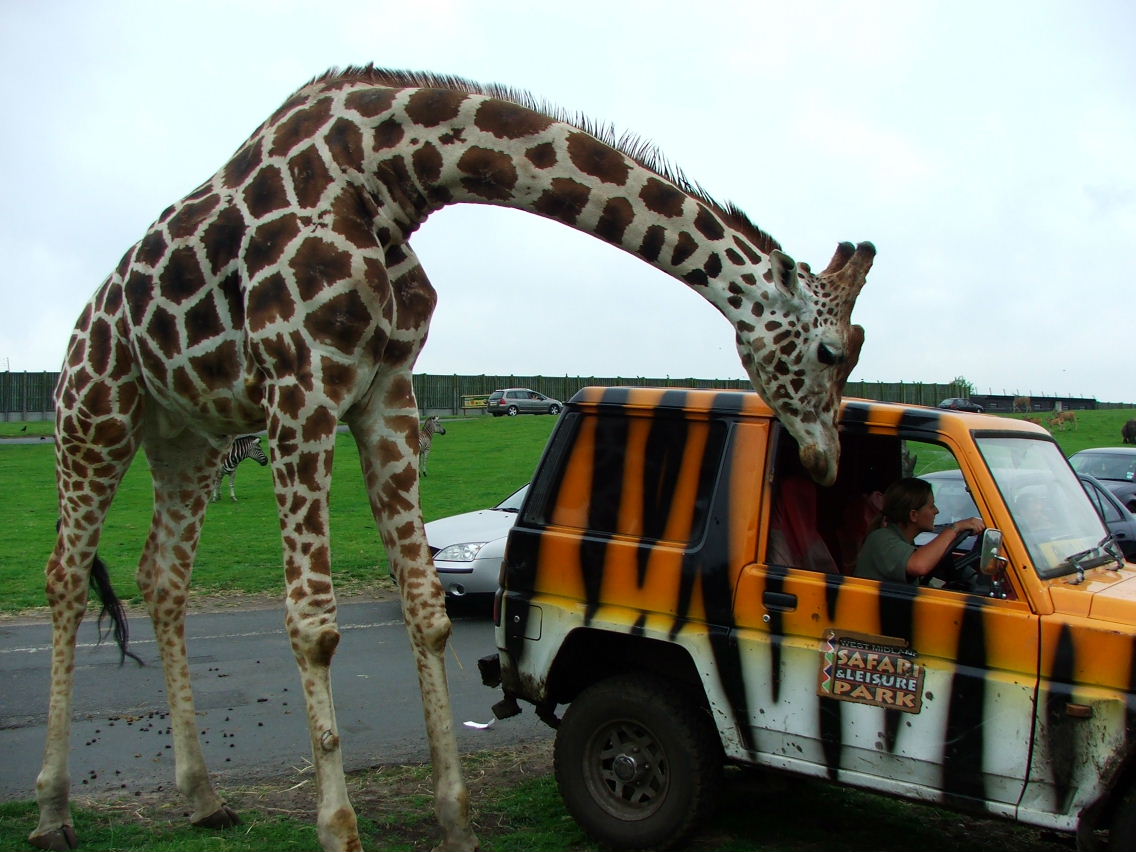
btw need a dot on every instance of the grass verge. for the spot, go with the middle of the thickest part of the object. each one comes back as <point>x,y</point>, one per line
<point>517,808</point>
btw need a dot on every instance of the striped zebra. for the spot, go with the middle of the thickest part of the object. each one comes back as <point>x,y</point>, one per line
<point>243,447</point>
<point>431,426</point>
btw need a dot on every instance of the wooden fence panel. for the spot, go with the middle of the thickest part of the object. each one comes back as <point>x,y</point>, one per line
<point>29,396</point>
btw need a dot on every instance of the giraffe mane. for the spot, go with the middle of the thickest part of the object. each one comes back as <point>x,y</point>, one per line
<point>642,151</point>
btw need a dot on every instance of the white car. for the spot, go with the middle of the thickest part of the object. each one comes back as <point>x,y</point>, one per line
<point>468,548</point>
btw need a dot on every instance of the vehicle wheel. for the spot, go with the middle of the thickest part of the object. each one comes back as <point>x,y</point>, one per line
<point>512,411</point>
<point>637,763</point>
<point>554,409</point>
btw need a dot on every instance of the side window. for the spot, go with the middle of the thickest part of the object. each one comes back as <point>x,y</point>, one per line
<point>822,529</point>
<point>827,529</point>
<point>953,501</point>
<point>644,477</point>
<point>1107,510</point>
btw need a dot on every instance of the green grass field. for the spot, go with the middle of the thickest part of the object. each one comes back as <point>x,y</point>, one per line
<point>477,463</point>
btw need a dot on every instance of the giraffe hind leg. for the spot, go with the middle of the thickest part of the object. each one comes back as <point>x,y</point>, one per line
<point>92,453</point>
<point>183,470</point>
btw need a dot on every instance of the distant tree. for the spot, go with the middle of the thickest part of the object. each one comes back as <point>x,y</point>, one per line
<point>965,386</point>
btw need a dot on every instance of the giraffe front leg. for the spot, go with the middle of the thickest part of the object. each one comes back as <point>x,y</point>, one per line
<point>386,449</point>
<point>182,469</point>
<point>302,476</point>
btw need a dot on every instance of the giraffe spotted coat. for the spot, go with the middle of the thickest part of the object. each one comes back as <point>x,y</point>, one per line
<point>282,294</point>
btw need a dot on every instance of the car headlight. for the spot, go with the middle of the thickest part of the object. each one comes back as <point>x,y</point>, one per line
<point>466,552</point>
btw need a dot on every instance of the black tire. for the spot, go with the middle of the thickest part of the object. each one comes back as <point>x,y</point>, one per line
<point>554,409</point>
<point>638,763</point>
<point>512,411</point>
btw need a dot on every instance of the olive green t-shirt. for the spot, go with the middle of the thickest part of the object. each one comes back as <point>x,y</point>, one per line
<point>884,556</point>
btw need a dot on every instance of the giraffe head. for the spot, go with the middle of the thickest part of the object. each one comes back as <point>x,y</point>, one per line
<point>802,347</point>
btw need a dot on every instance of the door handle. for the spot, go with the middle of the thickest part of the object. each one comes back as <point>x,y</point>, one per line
<point>779,601</point>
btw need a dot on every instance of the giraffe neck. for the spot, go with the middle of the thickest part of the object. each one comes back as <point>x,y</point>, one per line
<point>432,147</point>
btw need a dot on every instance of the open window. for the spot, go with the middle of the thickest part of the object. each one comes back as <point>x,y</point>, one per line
<point>823,529</point>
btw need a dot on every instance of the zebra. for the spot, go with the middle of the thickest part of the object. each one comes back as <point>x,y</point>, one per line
<point>243,447</point>
<point>431,426</point>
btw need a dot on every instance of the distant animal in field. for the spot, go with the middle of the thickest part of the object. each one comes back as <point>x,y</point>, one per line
<point>1128,432</point>
<point>432,426</point>
<point>1036,420</point>
<point>1063,420</point>
<point>243,447</point>
<point>907,462</point>
<point>1023,403</point>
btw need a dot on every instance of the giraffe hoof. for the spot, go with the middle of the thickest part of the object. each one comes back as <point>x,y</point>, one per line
<point>59,840</point>
<point>223,817</point>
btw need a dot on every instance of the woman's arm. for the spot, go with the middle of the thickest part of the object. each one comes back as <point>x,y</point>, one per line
<point>924,560</point>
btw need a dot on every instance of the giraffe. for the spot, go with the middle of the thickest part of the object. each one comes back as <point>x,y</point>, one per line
<point>283,294</point>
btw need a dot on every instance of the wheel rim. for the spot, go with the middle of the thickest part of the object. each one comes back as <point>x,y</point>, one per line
<point>626,770</point>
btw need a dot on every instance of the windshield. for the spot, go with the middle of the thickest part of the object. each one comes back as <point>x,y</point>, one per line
<point>1106,465</point>
<point>513,502</point>
<point>1061,529</point>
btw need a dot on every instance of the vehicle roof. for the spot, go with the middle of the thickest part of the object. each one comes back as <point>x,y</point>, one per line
<point>1107,451</point>
<point>742,402</point>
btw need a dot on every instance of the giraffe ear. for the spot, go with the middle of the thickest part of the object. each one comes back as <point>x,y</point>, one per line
<point>783,270</point>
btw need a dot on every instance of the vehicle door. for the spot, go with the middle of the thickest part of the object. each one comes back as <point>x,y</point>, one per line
<point>922,691</point>
<point>1114,515</point>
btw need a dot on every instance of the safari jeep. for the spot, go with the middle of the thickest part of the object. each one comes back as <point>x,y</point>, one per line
<point>680,584</point>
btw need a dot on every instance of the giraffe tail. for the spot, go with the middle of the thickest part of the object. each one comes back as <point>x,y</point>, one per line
<point>113,609</point>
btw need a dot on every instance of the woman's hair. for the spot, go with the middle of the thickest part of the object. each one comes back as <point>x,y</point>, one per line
<point>905,496</point>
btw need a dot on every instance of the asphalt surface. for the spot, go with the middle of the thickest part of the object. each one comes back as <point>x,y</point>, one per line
<point>249,701</point>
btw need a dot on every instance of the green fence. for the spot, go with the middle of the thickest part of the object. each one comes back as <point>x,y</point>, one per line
<point>454,394</point>
<point>28,396</point>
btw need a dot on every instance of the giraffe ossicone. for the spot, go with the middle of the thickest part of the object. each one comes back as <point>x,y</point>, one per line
<point>282,294</point>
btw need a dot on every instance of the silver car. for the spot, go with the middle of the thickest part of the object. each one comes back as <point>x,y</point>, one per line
<point>468,548</point>
<point>510,402</point>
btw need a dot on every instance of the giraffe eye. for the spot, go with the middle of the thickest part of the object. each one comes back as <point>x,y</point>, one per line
<point>828,355</point>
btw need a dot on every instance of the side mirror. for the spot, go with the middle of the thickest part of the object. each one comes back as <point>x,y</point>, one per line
<point>992,562</point>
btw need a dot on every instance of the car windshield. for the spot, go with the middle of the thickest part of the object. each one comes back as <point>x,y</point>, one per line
<point>952,498</point>
<point>513,502</point>
<point>1106,465</point>
<point>1061,530</point>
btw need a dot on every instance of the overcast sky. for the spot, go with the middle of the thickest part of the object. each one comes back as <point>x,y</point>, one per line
<point>988,149</point>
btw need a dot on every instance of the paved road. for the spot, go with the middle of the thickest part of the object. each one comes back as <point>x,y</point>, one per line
<point>249,700</point>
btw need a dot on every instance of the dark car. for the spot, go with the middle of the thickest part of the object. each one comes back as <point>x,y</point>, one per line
<point>952,497</point>
<point>1115,467</point>
<point>957,403</point>
<point>510,402</point>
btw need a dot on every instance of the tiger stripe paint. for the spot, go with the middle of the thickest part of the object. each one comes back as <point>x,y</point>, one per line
<point>649,517</point>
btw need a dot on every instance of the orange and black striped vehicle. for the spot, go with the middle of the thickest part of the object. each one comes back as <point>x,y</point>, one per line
<point>677,594</point>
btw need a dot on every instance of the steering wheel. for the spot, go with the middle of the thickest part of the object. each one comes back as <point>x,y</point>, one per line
<point>959,574</point>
